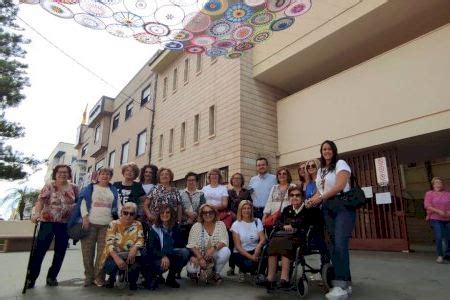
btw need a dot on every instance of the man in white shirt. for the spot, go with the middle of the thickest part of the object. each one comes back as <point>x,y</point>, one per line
<point>260,185</point>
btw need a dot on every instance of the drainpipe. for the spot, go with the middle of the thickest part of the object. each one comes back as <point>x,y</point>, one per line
<point>152,124</point>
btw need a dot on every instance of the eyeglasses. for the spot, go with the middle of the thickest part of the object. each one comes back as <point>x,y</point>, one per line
<point>313,166</point>
<point>128,213</point>
<point>282,173</point>
<point>295,195</point>
<point>208,213</point>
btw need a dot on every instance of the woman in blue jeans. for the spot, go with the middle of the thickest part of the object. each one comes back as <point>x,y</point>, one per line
<point>333,178</point>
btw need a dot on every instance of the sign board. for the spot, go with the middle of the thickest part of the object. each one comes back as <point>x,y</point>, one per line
<point>368,191</point>
<point>383,198</point>
<point>382,171</point>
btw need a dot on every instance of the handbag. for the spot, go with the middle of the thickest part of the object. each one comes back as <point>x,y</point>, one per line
<point>355,197</point>
<point>77,232</point>
<point>226,217</point>
<point>270,221</point>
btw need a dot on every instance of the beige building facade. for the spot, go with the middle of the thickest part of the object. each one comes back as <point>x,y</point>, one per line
<point>371,75</point>
<point>63,154</point>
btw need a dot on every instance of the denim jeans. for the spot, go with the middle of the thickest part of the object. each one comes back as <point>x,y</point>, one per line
<point>244,264</point>
<point>441,230</point>
<point>48,231</point>
<point>112,269</point>
<point>340,223</point>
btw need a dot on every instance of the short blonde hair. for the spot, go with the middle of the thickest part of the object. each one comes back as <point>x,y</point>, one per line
<point>241,205</point>
<point>129,205</point>
<point>200,215</point>
<point>316,162</point>
<point>133,167</point>
<point>214,171</point>
<point>437,178</point>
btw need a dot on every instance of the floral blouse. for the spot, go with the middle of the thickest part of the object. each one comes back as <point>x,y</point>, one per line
<point>275,197</point>
<point>120,238</point>
<point>58,203</point>
<point>161,195</point>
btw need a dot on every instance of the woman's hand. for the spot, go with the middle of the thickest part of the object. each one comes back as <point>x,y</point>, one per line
<point>288,228</point>
<point>121,264</point>
<point>313,201</point>
<point>132,255</point>
<point>86,223</point>
<point>35,218</point>
<point>258,250</point>
<point>202,263</point>
<point>194,261</point>
<point>210,252</point>
<point>165,263</point>
<point>192,216</point>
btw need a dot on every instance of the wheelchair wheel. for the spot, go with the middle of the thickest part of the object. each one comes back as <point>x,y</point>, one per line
<point>297,273</point>
<point>327,275</point>
<point>302,287</point>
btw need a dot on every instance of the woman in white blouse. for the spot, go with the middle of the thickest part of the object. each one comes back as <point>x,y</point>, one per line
<point>208,241</point>
<point>278,197</point>
<point>215,193</point>
<point>332,179</point>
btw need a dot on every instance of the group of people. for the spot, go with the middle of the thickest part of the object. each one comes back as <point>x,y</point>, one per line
<point>149,227</point>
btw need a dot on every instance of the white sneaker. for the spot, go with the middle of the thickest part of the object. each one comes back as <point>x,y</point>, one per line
<point>440,260</point>
<point>337,293</point>
<point>241,277</point>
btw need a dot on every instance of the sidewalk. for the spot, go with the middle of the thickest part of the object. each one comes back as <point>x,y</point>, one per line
<point>376,275</point>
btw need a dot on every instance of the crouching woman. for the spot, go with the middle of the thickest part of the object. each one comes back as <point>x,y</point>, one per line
<point>124,240</point>
<point>165,249</point>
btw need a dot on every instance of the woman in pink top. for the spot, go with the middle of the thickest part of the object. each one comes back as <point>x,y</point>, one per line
<point>437,204</point>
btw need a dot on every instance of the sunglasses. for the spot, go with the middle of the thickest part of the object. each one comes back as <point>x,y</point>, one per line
<point>166,212</point>
<point>295,195</point>
<point>313,166</point>
<point>208,213</point>
<point>128,213</point>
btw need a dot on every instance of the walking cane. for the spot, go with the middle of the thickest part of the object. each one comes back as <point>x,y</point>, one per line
<point>27,280</point>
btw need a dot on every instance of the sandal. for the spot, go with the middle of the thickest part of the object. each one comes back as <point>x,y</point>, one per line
<point>218,279</point>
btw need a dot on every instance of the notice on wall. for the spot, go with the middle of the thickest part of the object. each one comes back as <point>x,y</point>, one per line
<point>368,191</point>
<point>381,171</point>
<point>383,198</point>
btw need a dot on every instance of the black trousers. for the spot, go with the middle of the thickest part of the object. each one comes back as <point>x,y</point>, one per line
<point>48,231</point>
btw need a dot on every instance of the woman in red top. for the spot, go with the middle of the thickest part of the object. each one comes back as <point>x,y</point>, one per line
<point>437,204</point>
<point>53,209</point>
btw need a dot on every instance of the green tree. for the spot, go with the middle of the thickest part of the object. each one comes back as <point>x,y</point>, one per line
<point>13,80</point>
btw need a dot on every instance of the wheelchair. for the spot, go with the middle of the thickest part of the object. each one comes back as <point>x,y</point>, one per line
<point>300,268</point>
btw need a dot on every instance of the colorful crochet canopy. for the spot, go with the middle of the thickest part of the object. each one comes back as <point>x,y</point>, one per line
<point>214,27</point>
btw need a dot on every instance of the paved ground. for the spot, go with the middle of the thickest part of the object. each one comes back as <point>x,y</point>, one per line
<point>376,275</point>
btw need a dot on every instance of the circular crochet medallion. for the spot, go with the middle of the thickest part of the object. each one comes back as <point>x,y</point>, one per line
<point>238,13</point>
<point>196,22</point>
<point>193,49</point>
<point>156,29</point>
<point>120,30</point>
<point>57,9</point>
<point>282,23</point>
<point>89,21</point>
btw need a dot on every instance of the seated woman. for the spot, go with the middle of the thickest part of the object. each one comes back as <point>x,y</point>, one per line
<point>289,233</point>
<point>124,240</point>
<point>165,250</point>
<point>208,241</point>
<point>249,238</point>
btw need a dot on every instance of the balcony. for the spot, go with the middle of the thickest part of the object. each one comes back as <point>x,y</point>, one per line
<point>103,107</point>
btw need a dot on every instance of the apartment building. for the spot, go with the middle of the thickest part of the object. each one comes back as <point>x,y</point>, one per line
<point>371,75</point>
<point>62,154</point>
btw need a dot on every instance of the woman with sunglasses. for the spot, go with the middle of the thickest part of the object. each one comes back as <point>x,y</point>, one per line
<point>278,197</point>
<point>208,241</point>
<point>124,241</point>
<point>289,233</point>
<point>165,249</point>
<point>96,207</point>
<point>333,178</point>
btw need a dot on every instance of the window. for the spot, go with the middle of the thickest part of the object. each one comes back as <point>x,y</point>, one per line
<point>175,79</point>
<point>141,143</point>
<point>196,128</point>
<point>171,141</point>
<point>97,134</point>
<point>199,63</point>
<point>212,120</point>
<point>186,70</point>
<point>100,164</point>
<point>84,150</point>
<point>129,110</point>
<point>145,96</point>
<point>124,154</point>
<point>183,136</point>
<point>165,87</point>
<point>161,142</point>
<point>115,123</point>
<point>112,157</point>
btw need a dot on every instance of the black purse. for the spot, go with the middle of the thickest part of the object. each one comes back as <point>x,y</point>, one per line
<point>77,232</point>
<point>355,197</point>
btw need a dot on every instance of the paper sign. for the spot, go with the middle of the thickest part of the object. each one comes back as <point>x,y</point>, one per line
<point>383,198</point>
<point>368,192</point>
<point>381,171</point>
